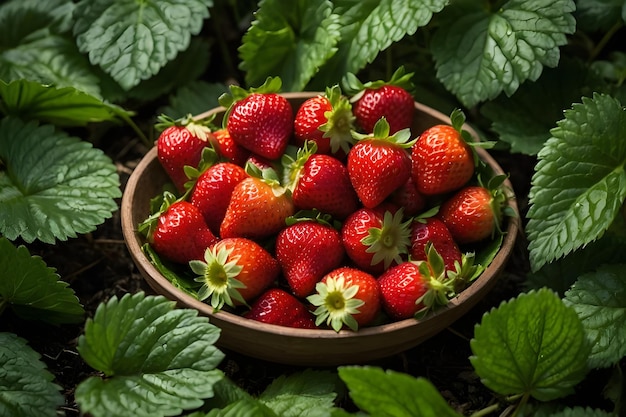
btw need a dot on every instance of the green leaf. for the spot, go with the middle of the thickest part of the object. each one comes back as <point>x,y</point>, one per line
<point>579,183</point>
<point>194,98</point>
<point>158,360</point>
<point>241,408</point>
<point>132,41</point>
<point>64,106</point>
<point>393,394</point>
<point>577,412</point>
<point>290,40</point>
<point>52,186</point>
<point>26,387</point>
<point>371,26</point>
<point>599,298</point>
<point>599,15</point>
<point>480,53</point>
<point>33,290</point>
<point>532,345</point>
<point>525,119</point>
<point>304,394</point>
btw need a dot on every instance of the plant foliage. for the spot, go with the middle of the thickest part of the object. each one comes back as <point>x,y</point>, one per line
<point>157,360</point>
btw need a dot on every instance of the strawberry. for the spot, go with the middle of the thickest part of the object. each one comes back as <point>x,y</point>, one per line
<point>442,160</point>
<point>258,206</point>
<point>378,163</point>
<point>377,99</point>
<point>433,230</point>
<point>473,213</point>
<point>319,182</point>
<point>277,306</point>
<point>227,148</point>
<point>375,240</point>
<point>327,120</point>
<point>346,297</point>
<point>180,144</point>
<point>409,197</point>
<point>177,231</point>
<point>234,271</point>
<point>259,119</point>
<point>212,191</point>
<point>307,249</point>
<point>401,286</point>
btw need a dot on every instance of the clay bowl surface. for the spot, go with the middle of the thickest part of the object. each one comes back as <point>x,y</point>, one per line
<point>299,346</point>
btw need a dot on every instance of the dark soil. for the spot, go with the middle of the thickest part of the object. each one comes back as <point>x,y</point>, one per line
<point>98,266</point>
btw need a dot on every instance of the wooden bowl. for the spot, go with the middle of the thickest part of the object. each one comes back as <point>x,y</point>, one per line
<point>300,346</point>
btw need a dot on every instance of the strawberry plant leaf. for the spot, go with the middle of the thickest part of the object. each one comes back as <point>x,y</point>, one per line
<point>593,15</point>
<point>26,387</point>
<point>599,298</point>
<point>579,183</point>
<point>574,412</point>
<point>369,27</point>
<point>35,45</point>
<point>194,98</point>
<point>391,393</point>
<point>241,408</point>
<point>52,186</point>
<point>64,106</point>
<point>304,394</point>
<point>480,53</point>
<point>533,345</point>
<point>298,37</point>
<point>132,41</point>
<point>33,290</point>
<point>524,122</point>
<point>158,360</point>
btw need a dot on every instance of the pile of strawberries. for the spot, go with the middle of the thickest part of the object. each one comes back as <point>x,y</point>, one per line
<point>333,214</point>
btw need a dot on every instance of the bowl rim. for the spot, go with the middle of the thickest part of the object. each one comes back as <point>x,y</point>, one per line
<point>134,240</point>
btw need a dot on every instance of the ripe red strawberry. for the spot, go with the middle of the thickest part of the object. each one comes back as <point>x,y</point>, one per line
<point>178,232</point>
<point>346,297</point>
<point>307,250</point>
<point>327,120</point>
<point>277,306</point>
<point>442,160</point>
<point>389,99</point>
<point>401,288</point>
<point>472,214</point>
<point>433,230</point>
<point>375,240</point>
<point>378,164</point>
<point>212,191</point>
<point>234,271</point>
<point>180,144</point>
<point>409,197</point>
<point>227,148</point>
<point>319,182</point>
<point>259,120</point>
<point>258,207</point>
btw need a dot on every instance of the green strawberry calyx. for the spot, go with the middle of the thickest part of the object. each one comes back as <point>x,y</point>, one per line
<point>313,216</point>
<point>441,285</point>
<point>293,167</point>
<point>340,121</point>
<point>158,206</point>
<point>269,176</point>
<point>390,241</point>
<point>336,304</point>
<point>401,138</point>
<point>237,93</point>
<point>200,128</point>
<point>218,275</point>
<point>355,88</point>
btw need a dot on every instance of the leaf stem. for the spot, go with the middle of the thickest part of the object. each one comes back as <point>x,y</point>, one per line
<point>135,128</point>
<point>605,39</point>
<point>485,411</point>
<point>3,305</point>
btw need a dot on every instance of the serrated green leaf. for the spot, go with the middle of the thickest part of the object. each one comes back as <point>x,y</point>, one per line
<point>369,27</point>
<point>34,290</point>
<point>480,53</point>
<point>52,186</point>
<point>242,408</point>
<point>304,394</point>
<point>577,412</point>
<point>132,41</point>
<point>533,345</point>
<point>290,40</point>
<point>26,387</point>
<point>579,183</point>
<point>64,106</point>
<point>594,15</point>
<point>194,98</point>
<point>393,394</point>
<point>159,360</point>
<point>524,120</point>
<point>599,298</point>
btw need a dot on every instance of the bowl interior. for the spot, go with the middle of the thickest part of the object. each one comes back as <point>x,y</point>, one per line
<point>300,346</point>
